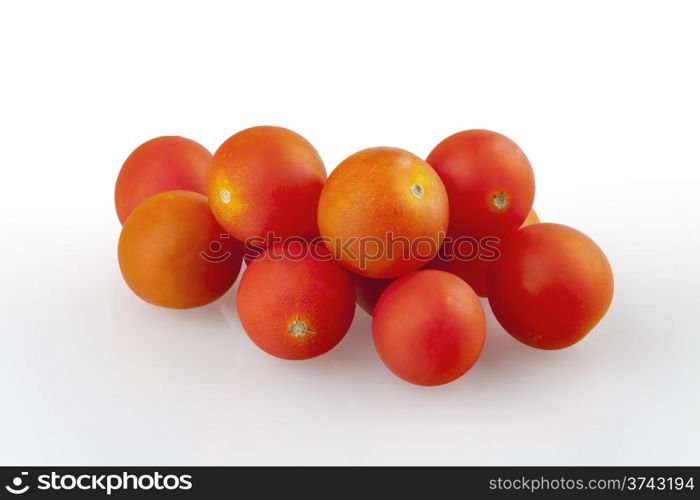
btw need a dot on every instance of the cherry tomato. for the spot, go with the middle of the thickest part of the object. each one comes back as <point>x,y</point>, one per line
<point>368,290</point>
<point>161,164</point>
<point>173,253</point>
<point>471,259</point>
<point>265,181</point>
<point>532,218</point>
<point>293,304</point>
<point>383,212</point>
<point>551,286</point>
<point>429,327</point>
<point>488,179</point>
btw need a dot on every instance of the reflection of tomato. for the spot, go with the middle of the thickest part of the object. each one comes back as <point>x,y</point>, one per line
<point>473,270</point>
<point>429,327</point>
<point>368,290</point>
<point>161,164</point>
<point>295,308</point>
<point>173,253</point>
<point>266,180</point>
<point>488,179</point>
<point>551,285</point>
<point>383,212</point>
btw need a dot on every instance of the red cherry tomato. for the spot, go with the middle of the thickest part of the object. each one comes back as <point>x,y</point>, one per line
<point>471,259</point>
<point>294,305</point>
<point>429,327</point>
<point>368,290</point>
<point>551,285</point>
<point>161,164</point>
<point>263,181</point>
<point>489,182</point>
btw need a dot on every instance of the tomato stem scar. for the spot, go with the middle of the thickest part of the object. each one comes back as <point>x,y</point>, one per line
<point>298,328</point>
<point>500,201</point>
<point>225,195</point>
<point>417,191</point>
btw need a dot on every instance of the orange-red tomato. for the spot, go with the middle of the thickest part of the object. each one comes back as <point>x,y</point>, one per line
<point>551,286</point>
<point>368,290</point>
<point>294,305</point>
<point>161,164</point>
<point>173,253</point>
<point>383,212</point>
<point>473,270</point>
<point>429,327</point>
<point>266,181</point>
<point>488,179</point>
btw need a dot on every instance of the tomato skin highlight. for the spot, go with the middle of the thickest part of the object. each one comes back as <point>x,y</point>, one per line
<point>265,180</point>
<point>161,251</point>
<point>551,286</point>
<point>429,327</point>
<point>475,271</point>
<point>489,181</point>
<point>379,195</point>
<point>165,163</point>
<point>295,309</point>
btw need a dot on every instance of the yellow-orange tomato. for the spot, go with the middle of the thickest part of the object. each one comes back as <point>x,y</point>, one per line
<point>473,270</point>
<point>173,253</point>
<point>383,212</point>
<point>265,181</point>
<point>161,164</point>
<point>532,218</point>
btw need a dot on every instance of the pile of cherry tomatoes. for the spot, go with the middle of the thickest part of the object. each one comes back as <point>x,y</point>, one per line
<point>414,242</point>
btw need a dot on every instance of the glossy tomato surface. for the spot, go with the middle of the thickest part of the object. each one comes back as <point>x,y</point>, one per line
<point>294,305</point>
<point>551,286</point>
<point>383,212</point>
<point>173,253</point>
<point>266,181</point>
<point>489,182</point>
<point>161,164</point>
<point>429,327</point>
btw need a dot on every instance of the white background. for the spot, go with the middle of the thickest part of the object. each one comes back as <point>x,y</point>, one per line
<point>604,99</point>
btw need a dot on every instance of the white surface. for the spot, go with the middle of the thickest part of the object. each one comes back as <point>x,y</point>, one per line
<point>604,98</point>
